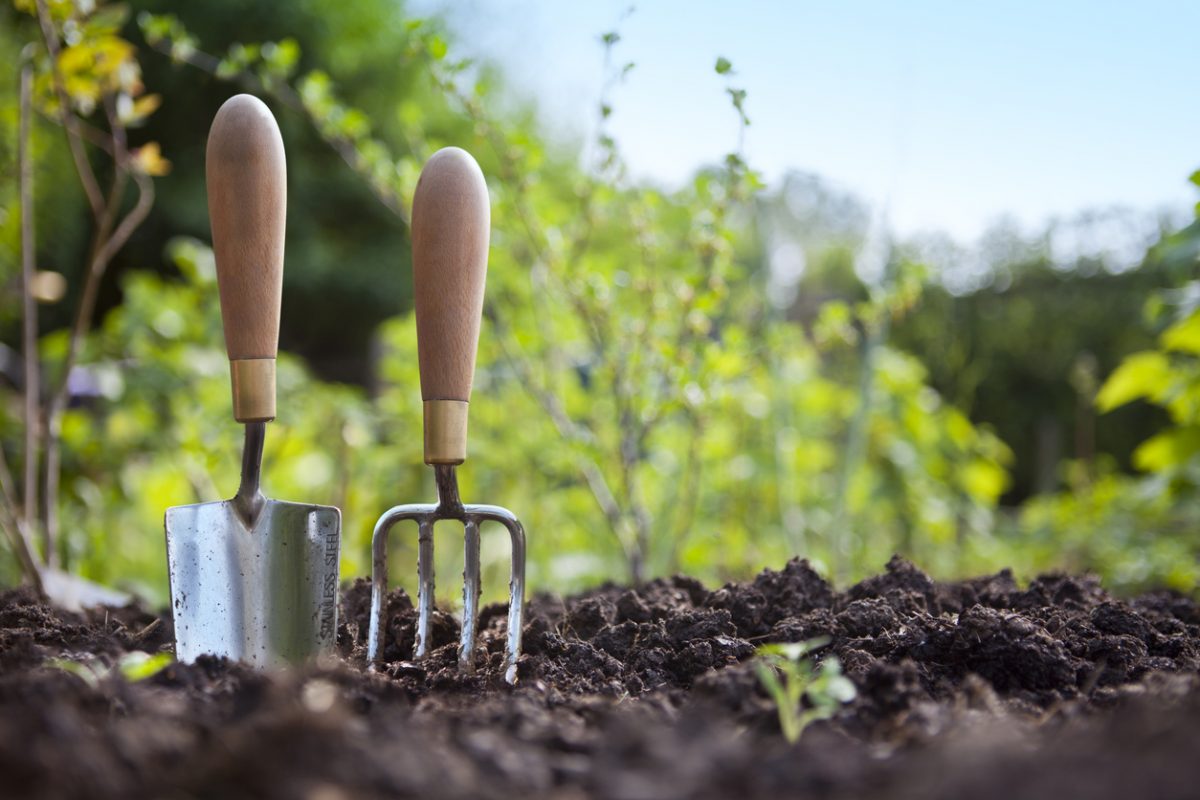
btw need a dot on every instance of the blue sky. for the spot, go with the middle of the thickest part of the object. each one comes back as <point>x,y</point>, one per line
<point>953,113</point>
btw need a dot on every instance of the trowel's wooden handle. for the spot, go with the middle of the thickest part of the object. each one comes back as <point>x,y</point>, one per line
<point>451,221</point>
<point>247,203</point>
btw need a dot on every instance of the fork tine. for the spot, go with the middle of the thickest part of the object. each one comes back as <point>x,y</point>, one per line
<point>425,585</point>
<point>379,571</point>
<point>471,589</point>
<point>378,589</point>
<point>516,584</point>
<point>516,599</point>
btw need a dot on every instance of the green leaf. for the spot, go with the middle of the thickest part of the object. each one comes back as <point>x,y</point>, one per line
<point>1141,375</point>
<point>738,96</point>
<point>1168,449</point>
<point>841,688</point>
<point>1183,336</point>
<point>437,47</point>
<point>80,669</point>
<point>724,67</point>
<point>984,480</point>
<point>137,666</point>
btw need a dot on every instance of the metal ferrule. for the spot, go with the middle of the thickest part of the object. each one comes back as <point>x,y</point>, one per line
<point>445,431</point>
<point>253,381</point>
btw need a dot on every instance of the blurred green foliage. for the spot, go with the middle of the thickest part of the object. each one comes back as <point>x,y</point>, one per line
<point>1139,530</point>
<point>644,401</point>
<point>1012,355</point>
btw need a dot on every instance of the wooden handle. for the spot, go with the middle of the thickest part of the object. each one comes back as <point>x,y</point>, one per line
<point>247,204</point>
<point>451,219</point>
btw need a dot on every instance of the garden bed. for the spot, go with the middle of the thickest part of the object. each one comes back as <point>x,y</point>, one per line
<point>975,689</point>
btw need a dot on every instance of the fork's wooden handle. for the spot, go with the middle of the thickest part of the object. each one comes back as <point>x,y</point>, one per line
<point>451,220</point>
<point>247,204</point>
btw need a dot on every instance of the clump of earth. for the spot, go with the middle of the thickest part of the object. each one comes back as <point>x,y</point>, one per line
<point>979,688</point>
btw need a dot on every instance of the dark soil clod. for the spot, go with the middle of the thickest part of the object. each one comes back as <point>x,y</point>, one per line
<point>972,689</point>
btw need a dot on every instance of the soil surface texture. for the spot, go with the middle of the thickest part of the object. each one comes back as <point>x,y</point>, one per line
<point>978,689</point>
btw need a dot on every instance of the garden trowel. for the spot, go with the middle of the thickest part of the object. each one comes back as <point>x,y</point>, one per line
<point>252,579</point>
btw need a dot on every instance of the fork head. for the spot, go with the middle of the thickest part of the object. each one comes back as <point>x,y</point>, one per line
<point>449,507</point>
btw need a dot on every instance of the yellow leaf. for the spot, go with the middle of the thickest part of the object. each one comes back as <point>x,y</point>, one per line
<point>984,480</point>
<point>132,112</point>
<point>145,106</point>
<point>148,160</point>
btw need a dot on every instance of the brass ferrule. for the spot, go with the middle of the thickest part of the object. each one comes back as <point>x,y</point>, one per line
<point>253,389</point>
<point>445,431</point>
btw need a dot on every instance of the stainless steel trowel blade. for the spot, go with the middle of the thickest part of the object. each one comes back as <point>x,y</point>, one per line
<point>265,595</point>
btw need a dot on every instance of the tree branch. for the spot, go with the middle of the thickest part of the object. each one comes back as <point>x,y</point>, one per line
<point>285,94</point>
<point>29,326</point>
<point>87,177</point>
<point>18,535</point>
<point>105,246</point>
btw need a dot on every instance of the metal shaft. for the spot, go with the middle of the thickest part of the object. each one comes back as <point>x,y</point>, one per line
<point>449,503</point>
<point>249,500</point>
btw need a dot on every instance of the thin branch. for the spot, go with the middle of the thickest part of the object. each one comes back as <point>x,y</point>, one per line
<point>106,246</point>
<point>132,220</point>
<point>90,133</point>
<point>284,93</point>
<point>29,324</point>
<point>18,535</point>
<point>570,430</point>
<point>595,326</point>
<point>87,176</point>
<point>690,492</point>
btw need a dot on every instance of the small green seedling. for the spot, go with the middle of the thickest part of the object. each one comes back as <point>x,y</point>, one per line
<point>133,666</point>
<point>790,679</point>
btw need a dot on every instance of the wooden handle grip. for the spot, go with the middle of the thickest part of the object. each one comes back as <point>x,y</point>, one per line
<point>247,204</point>
<point>451,221</point>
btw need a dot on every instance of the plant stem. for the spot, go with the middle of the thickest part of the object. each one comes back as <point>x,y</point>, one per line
<point>29,323</point>
<point>105,243</point>
<point>856,437</point>
<point>345,147</point>
<point>87,177</point>
<point>19,527</point>
<point>18,535</point>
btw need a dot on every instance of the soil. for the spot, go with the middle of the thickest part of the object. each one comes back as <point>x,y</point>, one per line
<point>977,689</point>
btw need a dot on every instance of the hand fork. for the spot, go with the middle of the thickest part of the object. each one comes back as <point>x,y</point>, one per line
<point>450,230</point>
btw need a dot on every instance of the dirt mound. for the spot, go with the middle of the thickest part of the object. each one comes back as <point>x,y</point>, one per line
<point>978,688</point>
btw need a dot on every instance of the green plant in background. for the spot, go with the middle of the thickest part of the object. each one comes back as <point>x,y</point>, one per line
<point>636,402</point>
<point>1137,531</point>
<point>642,400</point>
<point>162,433</point>
<point>612,338</point>
<point>1011,354</point>
<point>80,73</point>
<point>622,330</point>
<point>802,693</point>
